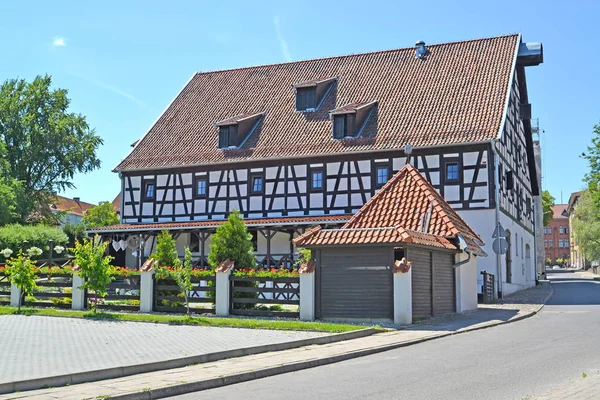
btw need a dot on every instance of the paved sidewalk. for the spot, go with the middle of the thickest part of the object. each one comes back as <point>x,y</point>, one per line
<point>219,373</point>
<point>36,347</point>
<point>587,388</point>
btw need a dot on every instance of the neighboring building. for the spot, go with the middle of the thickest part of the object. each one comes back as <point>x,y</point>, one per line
<point>116,204</point>
<point>557,240</point>
<point>577,256</point>
<point>73,208</point>
<point>297,144</point>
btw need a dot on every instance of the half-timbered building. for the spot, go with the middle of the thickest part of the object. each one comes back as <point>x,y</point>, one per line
<point>308,143</point>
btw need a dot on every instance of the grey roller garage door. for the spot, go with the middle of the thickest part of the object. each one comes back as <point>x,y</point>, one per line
<point>444,288</point>
<point>421,283</point>
<point>355,283</point>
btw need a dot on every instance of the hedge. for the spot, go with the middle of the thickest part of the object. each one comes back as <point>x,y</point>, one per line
<point>13,236</point>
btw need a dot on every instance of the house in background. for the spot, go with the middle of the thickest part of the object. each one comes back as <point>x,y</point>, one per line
<point>577,257</point>
<point>116,204</point>
<point>308,143</point>
<point>73,209</point>
<point>557,239</point>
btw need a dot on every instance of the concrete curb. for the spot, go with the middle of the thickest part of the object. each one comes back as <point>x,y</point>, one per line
<point>200,385</point>
<point>119,372</point>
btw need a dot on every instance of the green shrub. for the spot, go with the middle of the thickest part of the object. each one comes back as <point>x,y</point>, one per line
<point>13,236</point>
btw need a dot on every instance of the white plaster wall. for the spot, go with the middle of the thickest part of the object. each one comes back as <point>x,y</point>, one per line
<point>280,243</point>
<point>466,284</point>
<point>483,223</point>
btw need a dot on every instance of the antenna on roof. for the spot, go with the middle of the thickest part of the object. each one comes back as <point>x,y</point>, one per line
<point>408,151</point>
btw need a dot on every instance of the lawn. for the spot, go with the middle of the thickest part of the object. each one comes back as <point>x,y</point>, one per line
<point>290,325</point>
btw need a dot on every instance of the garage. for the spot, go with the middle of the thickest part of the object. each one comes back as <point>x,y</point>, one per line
<point>355,283</point>
<point>396,258</point>
<point>433,283</point>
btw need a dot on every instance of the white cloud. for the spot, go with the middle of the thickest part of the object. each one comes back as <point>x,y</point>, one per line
<point>282,42</point>
<point>59,41</point>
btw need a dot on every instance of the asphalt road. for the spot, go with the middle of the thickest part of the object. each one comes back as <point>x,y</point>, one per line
<point>512,361</point>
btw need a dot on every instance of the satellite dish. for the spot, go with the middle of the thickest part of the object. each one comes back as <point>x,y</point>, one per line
<point>133,241</point>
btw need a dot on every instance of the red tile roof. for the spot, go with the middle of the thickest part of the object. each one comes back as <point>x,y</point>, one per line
<point>397,214</point>
<point>116,204</point>
<point>71,206</point>
<point>352,107</point>
<point>558,210</point>
<point>307,220</point>
<point>457,95</point>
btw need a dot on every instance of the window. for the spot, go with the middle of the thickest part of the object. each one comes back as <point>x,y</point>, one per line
<point>566,229</point>
<point>522,248</point>
<point>567,243</point>
<point>509,257</point>
<point>545,231</point>
<point>550,244</point>
<point>560,230</point>
<point>545,244</point>
<point>339,126</point>
<point>257,184</point>
<point>227,136</point>
<point>549,230</point>
<point>149,190</point>
<point>306,98</point>
<point>382,175</point>
<point>316,182</point>
<point>452,172</point>
<point>200,187</point>
<point>517,246</point>
<point>560,243</point>
<point>510,181</point>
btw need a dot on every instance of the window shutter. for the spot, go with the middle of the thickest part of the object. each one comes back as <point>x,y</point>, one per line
<point>339,126</point>
<point>224,137</point>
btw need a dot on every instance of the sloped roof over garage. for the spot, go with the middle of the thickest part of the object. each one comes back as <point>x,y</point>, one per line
<point>407,209</point>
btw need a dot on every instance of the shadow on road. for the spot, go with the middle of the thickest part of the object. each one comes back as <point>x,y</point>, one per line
<point>455,322</point>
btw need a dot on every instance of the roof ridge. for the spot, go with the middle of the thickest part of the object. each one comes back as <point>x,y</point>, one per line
<point>373,52</point>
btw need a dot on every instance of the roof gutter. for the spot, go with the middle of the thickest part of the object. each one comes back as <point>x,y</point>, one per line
<point>132,229</point>
<point>313,156</point>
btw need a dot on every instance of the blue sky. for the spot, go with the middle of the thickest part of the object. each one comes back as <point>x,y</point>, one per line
<point>124,61</point>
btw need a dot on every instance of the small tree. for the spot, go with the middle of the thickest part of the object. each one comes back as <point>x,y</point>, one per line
<point>547,204</point>
<point>183,276</point>
<point>21,273</point>
<point>166,250</point>
<point>100,215</point>
<point>232,241</point>
<point>94,267</point>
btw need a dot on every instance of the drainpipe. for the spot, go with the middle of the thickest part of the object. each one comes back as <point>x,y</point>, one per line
<point>497,209</point>
<point>458,264</point>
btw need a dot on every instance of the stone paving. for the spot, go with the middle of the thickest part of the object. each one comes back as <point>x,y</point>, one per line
<point>36,347</point>
<point>232,370</point>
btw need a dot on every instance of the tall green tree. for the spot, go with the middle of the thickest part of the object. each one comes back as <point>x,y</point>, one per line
<point>586,226</point>
<point>45,145</point>
<point>100,215</point>
<point>547,204</point>
<point>166,250</point>
<point>592,155</point>
<point>232,241</point>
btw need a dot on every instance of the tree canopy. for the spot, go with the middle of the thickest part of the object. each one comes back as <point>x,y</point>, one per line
<point>42,144</point>
<point>232,241</point>
<point>100,215</point>
<point>592,155</point>
<point>586,226</point>
<point>547,204</point>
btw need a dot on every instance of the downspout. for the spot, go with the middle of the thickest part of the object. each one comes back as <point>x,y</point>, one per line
<point>497,209</point>
<point>458,264</point>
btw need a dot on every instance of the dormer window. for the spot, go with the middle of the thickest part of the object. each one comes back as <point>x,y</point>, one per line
<point>310,94</point>
<point>234,131</point>
<point>349,120</point>
<point>226,134</point>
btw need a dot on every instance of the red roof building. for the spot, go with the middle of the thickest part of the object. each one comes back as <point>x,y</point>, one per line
<point>557,241</point>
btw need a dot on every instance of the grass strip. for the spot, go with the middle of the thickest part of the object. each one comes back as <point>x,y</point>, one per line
<point>187,320</point>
